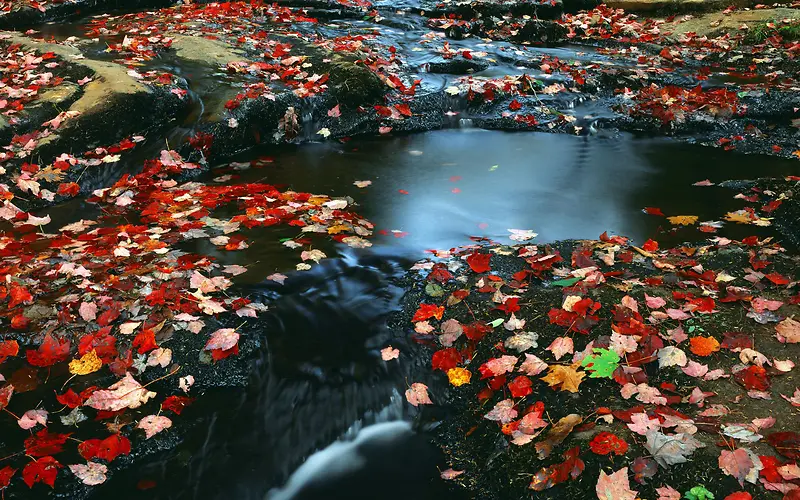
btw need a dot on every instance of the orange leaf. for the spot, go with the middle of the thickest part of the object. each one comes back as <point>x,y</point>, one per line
<point>704,346</point>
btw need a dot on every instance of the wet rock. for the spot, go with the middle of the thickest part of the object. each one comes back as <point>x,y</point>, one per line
<point>23,13</point>
<point>458,66</point>
<point>473,9</point>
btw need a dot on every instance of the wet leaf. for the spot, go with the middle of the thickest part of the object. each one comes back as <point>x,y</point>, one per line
<point>502,412</point>
<point>125,393</point>
<point>43,470</point>
<point>557,434</point>
<point>92,473</point>
<point>615,486</point>
<point>417,394</point>
<point>153,424</point>
<point>566,378</point>
<point>601,364</point>
<point>88,363</point>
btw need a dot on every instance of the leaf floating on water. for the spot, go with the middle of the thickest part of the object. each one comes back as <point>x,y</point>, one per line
<point>566,378</point>
<point>88,363</point>
<point>557,434</point>
<point>682,220</point>
<point>417,394</point>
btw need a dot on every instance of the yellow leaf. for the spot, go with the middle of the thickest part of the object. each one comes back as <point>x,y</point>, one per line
<point>88,363</point>
<point>566,376</point>
<point>338,228</point>
<point>459,376</point>
<point>682,220</point>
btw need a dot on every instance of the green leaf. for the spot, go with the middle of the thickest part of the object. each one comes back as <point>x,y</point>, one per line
<point>493,168</point>
<point>434,290</point>
<point>601,364</point>
<point>497,322</point>
<point>285,239</point>
<point>698,493</point>
<point>566,282</point>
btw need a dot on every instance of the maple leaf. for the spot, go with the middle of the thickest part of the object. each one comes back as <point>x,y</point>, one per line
<point>502,412</point>
<point>427,311</point>
<point>703,346</point>
<point>125,393</point>
<point>671,356</point>
<point>498,366</point>
<point>30,418</point>
<point>19,295</point>
<point>561,346</point>
<point>417,394</point>
<point>532,365</point>
<point>88,363</point>
<point>786,443</point>
<point>50,352</point>
<point>557,434</point>
<point>389,353</point>
<point>91,474</point>
<point>153,424</point>
<point>571,467</point>
<point>105,449</point>
<point>5,395</point>
<point>45,443</point>
<point>6,473</point>
<point>176,404</point>
<point>601,364</point>
<point>740,463</point>
<point>43,470</point>
<point>654,302</point>
<point>520,387</point>
<point>222,339</point>
<point>605,443</point>
<point>668,493</point>
<point>8,349</point>
<point>479,262</point>
<point>567,377</point>
<point>788,331</point>
<point>682,220</point>
<point>145,341</point>
<point>671,450</point>
<point>615,486</point>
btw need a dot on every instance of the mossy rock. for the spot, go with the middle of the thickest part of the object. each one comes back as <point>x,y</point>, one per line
<point>354,85</point>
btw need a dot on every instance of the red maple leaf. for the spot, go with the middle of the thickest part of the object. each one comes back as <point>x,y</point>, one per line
<point>5,395</point>
<point>51,351</point>
<point>479,262</point>
<point>45,443</point>
<point>145,341</point>
<point>520,386</point>
<point>8,348</point>
<point>445,359</point>
<point>176,403</point>
<point>650,246</point>
<point>753,378</point>
<point>218,354</point>
<point>427,311</point>
<point>106,449</point>
<point>43,470</point>
<point>778,279</point>
<point>6,473</point>
<point>786,443</point>
<point>102,342</point>
<point>514,105</point>
<point>19,295</point>
<point>606,442</point>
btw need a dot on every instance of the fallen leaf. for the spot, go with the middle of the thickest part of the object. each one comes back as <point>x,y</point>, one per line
<point>417,394</point>
<point>153,424</point>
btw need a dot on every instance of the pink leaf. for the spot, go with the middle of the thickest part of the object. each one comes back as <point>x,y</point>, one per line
<point>502,412</point>
<point>561,346</point>
<point>417,394</point>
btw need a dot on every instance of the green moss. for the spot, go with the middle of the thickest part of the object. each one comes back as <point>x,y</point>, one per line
<point>760,32</point>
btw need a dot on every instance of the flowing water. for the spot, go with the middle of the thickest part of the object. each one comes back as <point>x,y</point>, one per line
<point>324,416</point>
